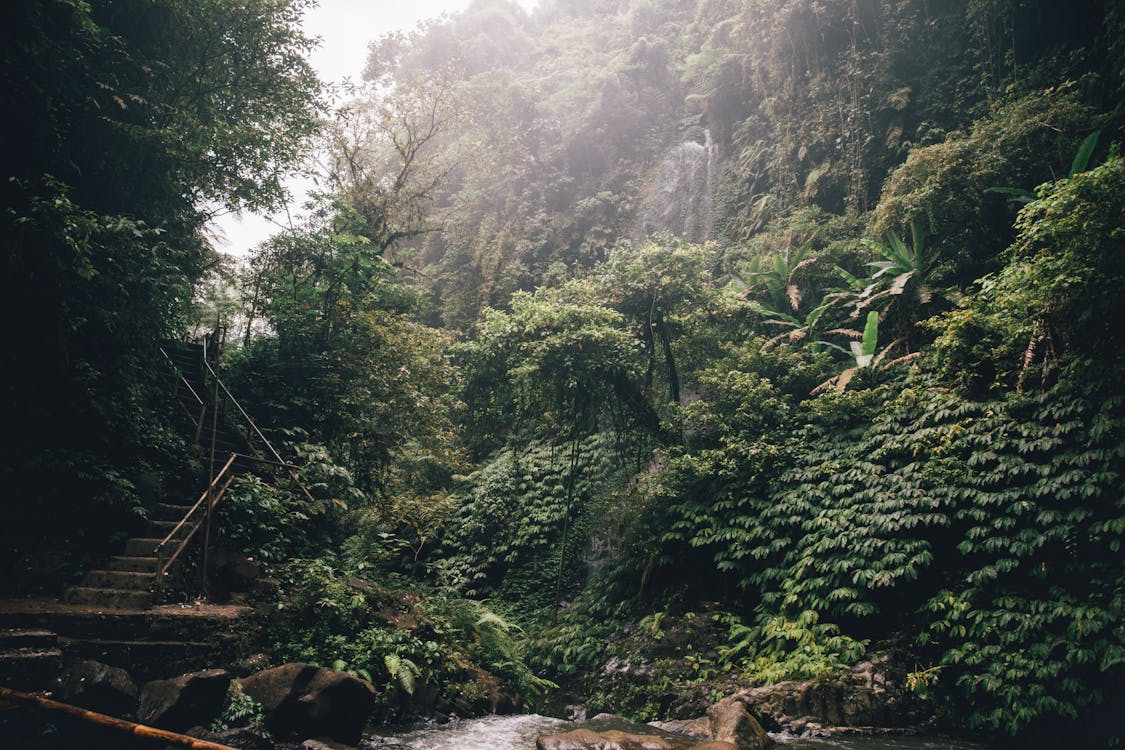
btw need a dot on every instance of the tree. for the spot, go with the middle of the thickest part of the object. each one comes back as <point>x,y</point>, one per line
<point>383,158</point>
<point>131,118</point>
<point>343,359</point>
<point>654,287</point>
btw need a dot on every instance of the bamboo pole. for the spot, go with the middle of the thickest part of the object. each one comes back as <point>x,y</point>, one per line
<point>211,469</point>
<point>110,722</point>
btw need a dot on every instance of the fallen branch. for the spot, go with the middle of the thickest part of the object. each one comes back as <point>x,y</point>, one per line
<point>110,722</point>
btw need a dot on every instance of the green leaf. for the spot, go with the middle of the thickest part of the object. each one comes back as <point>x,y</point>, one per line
<point>870,334</point>
<point>1082,158</point>
<point>1020,195</point>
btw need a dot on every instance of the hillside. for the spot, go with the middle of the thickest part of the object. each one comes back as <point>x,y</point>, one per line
<point>638,353</point>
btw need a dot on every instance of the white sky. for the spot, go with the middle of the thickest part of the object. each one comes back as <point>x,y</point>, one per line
<point>345,28</point>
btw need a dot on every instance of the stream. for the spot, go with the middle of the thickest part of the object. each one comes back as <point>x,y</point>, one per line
<point>519,733</point>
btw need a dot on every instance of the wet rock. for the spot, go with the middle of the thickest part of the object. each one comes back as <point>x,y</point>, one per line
<point>242,738</point>
<point>99,687</point>
<point>324,745</point>
<point>309,701</point>
<point>732,722</point>
<point>868,695</point>
<point>697,729</point>
<point>185,701</point>
<point>613,739</point>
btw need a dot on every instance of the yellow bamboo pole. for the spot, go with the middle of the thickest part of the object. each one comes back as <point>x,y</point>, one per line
<point>110,722</point>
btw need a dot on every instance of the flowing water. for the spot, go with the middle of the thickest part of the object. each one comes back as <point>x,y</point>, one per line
<point>677,197</point>
<point>519,733</point>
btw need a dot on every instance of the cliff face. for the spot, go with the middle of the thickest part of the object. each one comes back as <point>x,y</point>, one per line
<point>574,128</point>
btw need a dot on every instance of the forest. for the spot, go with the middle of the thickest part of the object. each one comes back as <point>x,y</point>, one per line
<point>732,341</point>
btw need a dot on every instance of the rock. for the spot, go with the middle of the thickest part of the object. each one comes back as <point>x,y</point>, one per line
<point>697,729</point>
<point>310,701</point>
<point>100,687</point>
<point>185,701</point>
<point>376,742</point>
<point>242,738</point>
<point>254,663</point>
<point>715,745</point>
<point>232,573</point>
<point>732,722</point>
<point>324,745</point>
<point>613,739</point>
<point>866,696</point>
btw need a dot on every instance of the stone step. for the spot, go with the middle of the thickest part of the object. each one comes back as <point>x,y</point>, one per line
<point>160,623</point>
<point>109,598</point>
<point>148,659</point>
<point>118,579</point>
<point>35,639</point>
<point>169,512</point>
<point>162,528</point>
<point>141,546</point>
<point>30,669</point>
<point>132,564</point>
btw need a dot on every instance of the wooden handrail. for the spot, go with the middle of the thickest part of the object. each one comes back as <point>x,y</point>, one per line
<point>111,722</point>
<point>199,502</point>
<point>277,457</point>
<point>183,380</point>
<point>222,477</point>
<point>191,534</point>
<point>249,421</point>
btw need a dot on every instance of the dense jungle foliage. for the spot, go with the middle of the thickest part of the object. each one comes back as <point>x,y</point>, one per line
<point>799,317</point>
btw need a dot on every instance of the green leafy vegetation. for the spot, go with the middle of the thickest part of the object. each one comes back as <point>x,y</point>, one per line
<point>123,138</point>
<point>240,710</point>
<point>606,359</point>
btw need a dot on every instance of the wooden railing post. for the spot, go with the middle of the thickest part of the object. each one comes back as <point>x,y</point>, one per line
<point>211,469</point>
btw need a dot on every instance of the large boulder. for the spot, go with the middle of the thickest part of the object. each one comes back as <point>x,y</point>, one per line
<point>304,700</point>
<point>732,722</point>
<point>99,687</point>
<point>185,701</point>
<point>232,574</point>
<point>871,694</point>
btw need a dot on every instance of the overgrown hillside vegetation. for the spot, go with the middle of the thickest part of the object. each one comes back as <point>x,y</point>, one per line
<point>878,408</point>
<point>792,322</point>
<point>127,126</point>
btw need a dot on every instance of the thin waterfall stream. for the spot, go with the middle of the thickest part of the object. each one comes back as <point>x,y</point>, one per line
<point>677,198</point>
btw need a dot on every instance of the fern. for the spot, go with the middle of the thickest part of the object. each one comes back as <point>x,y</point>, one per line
<point>403,671</point>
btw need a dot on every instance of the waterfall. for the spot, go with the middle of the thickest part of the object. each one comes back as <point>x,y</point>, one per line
<point>677,196</point>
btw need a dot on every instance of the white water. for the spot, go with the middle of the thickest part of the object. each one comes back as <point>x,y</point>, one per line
<point>489,733</point>
<point>519,733</point>
<point>678,197</point>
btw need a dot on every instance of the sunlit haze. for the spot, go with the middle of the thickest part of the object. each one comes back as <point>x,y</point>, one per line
<point>345,27</point>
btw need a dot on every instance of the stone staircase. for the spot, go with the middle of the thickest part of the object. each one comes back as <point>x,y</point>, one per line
<point>40,637</point>
<point>30,658</point>
<point>126,581</point>
<point>113,615</point>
